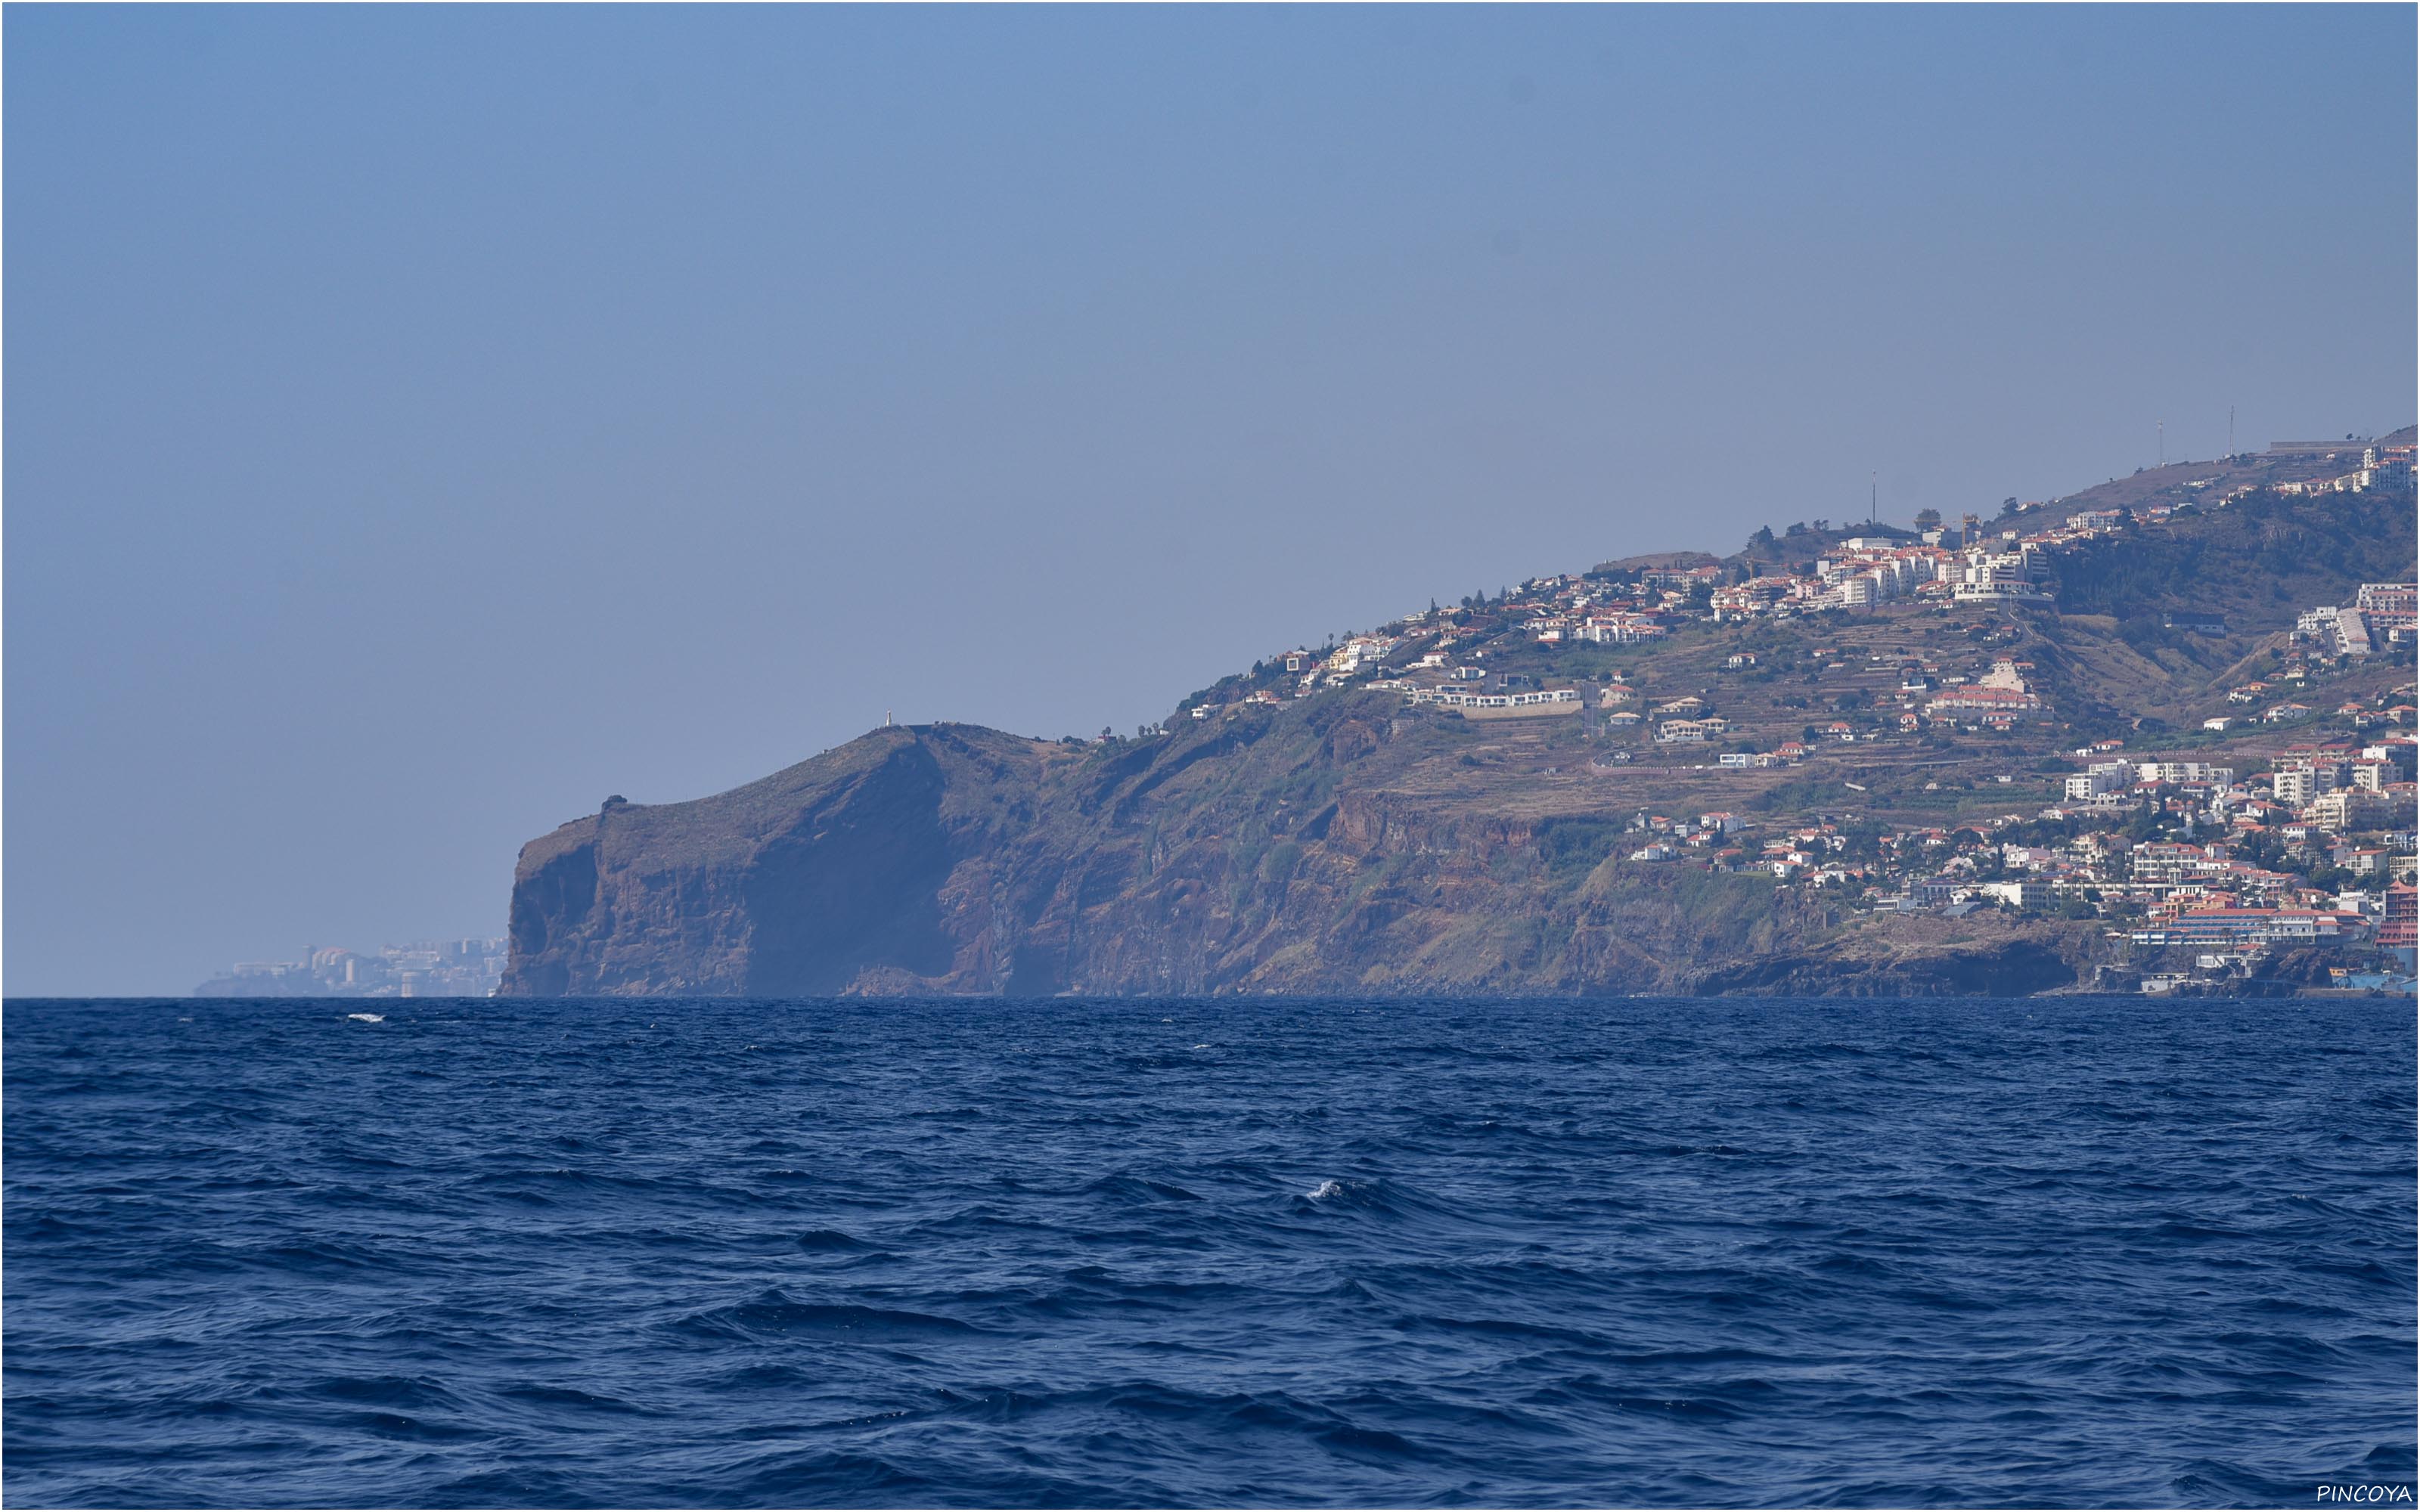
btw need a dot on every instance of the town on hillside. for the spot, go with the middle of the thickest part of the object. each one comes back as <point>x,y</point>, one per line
<point>1973,714</point>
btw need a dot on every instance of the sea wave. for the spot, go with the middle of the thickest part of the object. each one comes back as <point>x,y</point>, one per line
<point>2059,1253</point>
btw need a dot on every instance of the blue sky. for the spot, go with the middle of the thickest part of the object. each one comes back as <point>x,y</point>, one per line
<point>424,421</point>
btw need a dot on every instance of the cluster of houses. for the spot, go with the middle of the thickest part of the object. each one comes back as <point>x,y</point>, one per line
<point>425,968</point>
<point>2380,614</point>
<point>2374,470</point>
<point>1860,573</point>
<point>2325,804</point>
<point>2313,789</point>
<point>1863,572</point>
<point>1967,564</point>
<point>2317,851</point>
<point>1799,850</point>
<point>1997,700</point>
<point>1971,565</point>
<point>1540,701</point>
<point>2394,708</point>
<point>2329,809</point>
<point>1961,565</point>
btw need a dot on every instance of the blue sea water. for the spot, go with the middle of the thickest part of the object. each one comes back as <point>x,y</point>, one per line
<point>2069,1252</point>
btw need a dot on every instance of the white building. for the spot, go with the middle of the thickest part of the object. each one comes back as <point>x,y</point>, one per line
<point>2099,780</point>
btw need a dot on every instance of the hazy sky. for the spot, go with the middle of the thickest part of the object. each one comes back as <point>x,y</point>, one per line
<point>423,422</point>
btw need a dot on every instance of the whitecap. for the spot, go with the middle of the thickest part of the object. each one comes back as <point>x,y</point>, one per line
<point>1325,1189</point>
<point>368,1018</point>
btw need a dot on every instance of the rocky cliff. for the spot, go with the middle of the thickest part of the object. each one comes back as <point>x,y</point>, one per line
<point>1323,835</point>
<point>1341,845</point>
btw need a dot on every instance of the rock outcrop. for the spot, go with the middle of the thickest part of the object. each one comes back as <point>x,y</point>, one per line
<point>1340,845</point>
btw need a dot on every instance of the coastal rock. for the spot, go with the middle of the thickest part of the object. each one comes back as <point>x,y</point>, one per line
<point>1319,848</point>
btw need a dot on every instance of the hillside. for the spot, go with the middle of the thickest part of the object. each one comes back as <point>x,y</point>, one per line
<point>1328,847</point>
<point>1715,807</point>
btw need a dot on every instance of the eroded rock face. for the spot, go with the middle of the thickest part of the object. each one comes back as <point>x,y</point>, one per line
<point>838,873</point>
<point>1332,847</point>
<point>854,887</point>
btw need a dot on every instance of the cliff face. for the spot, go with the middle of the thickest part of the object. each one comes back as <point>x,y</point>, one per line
<point>1347,842</point>
<point>837,873</point>
<point>1337,846</point>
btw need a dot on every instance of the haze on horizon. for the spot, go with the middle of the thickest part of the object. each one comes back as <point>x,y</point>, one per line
<point>427,421</point>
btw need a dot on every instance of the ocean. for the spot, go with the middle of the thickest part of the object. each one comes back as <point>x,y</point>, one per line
<point>2047,1252</point>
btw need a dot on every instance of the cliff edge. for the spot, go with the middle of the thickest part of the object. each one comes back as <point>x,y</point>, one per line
<point>1341,845</point>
